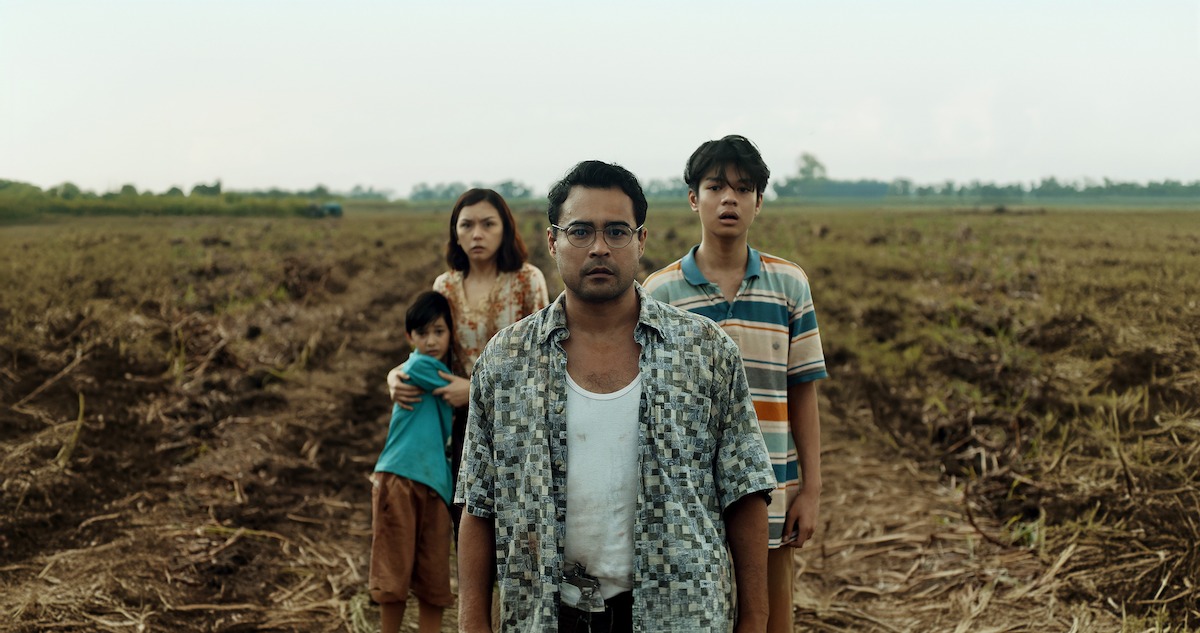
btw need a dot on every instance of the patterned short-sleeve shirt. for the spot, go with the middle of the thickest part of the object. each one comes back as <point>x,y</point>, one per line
<point>699,450</point>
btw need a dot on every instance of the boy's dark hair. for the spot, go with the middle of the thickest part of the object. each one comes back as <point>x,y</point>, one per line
<point>595,174</point>
<point>512,252</point>
<point>425,309</point>
<point>735,150</point>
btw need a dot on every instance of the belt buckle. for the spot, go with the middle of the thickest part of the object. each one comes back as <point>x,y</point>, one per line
<point>589,588</point>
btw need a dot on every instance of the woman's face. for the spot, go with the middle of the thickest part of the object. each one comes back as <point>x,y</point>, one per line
<point>480,232</point>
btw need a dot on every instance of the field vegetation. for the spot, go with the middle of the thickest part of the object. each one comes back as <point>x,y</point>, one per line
<point>24,203</point>
<point>190,406</point>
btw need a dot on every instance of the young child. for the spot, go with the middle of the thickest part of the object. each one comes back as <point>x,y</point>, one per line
<point>411,492</point>
<point>764,303</point>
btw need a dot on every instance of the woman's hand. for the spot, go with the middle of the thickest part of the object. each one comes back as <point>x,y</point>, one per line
<point>457,393</point>
<point>402,393</point>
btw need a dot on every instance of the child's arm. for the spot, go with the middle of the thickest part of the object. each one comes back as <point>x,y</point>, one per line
<point>424,372</point>
<point>804,419</point>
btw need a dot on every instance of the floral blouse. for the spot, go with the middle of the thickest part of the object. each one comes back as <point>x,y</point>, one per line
<point>514,296</point>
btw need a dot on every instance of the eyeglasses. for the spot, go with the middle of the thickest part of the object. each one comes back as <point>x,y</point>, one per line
<point>583,235</point>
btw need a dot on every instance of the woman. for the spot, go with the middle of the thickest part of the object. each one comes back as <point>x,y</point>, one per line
<point>489,285</point>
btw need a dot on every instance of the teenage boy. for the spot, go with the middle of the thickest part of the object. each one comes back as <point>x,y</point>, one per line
<point>764,303</point>
<point>411,492</point>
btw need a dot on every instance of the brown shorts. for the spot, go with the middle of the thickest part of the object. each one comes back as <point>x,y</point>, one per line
<point>410,544</point>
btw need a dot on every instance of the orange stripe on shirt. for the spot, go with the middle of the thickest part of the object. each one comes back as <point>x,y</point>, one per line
<point>771,410</point>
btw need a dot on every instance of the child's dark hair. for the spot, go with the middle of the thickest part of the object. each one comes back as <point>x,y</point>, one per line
<point>425,309</point>
<point>735,150</point>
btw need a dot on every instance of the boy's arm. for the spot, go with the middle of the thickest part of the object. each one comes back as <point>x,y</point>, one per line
<point>476,572</point>
<point>804,419</point>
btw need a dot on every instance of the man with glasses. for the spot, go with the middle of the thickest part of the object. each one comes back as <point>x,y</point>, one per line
<point>614,478</point>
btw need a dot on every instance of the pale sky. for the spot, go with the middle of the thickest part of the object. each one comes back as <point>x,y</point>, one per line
<point>263,93</point>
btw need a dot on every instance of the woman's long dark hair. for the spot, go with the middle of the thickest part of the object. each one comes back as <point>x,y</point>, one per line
<point>512,252</point>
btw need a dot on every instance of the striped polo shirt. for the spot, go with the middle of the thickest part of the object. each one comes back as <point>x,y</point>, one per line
<point>773,322</point>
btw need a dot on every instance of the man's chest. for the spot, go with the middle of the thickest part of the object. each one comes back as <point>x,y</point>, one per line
<point>603,369</point>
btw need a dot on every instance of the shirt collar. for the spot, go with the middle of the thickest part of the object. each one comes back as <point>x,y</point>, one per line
<point>649,316</point>
<point>692,274</point>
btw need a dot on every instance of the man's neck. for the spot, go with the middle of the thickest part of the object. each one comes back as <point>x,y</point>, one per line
<point>723,257</point>
<point>602,319</point>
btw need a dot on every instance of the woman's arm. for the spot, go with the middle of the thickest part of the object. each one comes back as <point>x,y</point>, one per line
<point>457,393</point>
<point>402,393</point>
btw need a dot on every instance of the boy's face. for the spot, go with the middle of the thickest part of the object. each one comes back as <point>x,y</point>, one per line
<point>726,205</point>
<point>431,340</point>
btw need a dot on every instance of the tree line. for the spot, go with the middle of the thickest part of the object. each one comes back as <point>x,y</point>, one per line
<point>19,200</point>
<point>811,180</point>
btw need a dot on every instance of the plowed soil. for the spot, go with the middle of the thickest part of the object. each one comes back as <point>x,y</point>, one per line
<point>221,484</point>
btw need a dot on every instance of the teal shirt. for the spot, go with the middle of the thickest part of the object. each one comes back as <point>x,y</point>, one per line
<point>416,441</point>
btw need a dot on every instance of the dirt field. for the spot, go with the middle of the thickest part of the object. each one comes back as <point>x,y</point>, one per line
<point>189,411</point>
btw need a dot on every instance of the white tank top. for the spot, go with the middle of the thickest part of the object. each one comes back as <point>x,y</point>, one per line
<point>602,485</point>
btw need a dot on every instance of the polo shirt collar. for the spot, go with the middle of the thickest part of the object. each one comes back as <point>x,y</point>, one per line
<point>692,274</point>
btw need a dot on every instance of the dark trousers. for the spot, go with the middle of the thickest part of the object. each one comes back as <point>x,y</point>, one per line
<point>617,617</point>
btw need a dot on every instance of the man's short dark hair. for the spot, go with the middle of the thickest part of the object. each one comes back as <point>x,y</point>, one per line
<point>425,309</point>
<point>595,174</point>
<point>733,150</point>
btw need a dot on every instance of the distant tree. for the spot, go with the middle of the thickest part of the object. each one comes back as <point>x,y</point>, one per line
<point>68,191</point>
<point>174,192</point>
<point>901,187</point>
<point>14,189</point>
<point>788,188</point>
<point>440,191</point>
<point>810,180</point>
<point>206,190</point>
<point>128,191</point>
<point>1051,188</point>
<point>368,193</point>
<point>810,169</point>
<point>318,192</point>
<point>670,188</point>
<point>512,190</point>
